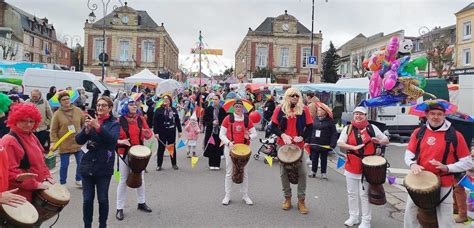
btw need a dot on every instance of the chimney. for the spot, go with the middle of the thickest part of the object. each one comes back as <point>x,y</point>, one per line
<point>286,12</point>
<point>45,20</point>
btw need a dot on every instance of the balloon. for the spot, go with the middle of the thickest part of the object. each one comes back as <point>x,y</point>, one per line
<point>376,60</point>
<point>420,63</point>
<point>403,62</point>
<point>255,117</point>
<point>375,85</point>
<point>411,90</point>
<point>384,100</point>
<point>365,63</point>
<point>392,49</point>
<point>390,78</point>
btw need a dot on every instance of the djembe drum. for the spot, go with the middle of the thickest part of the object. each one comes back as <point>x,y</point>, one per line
<point>138,158</point>
<point>22,216</point>
<point>375,172</point>
<point>290,157</point>
<point>240,156</point>
<point>51,201</point>
<point>424,189</point>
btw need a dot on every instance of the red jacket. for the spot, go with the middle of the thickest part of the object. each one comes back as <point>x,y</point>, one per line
<point>354,163</point>
<point>3,170</point>
<point>134,132</point>
<point>35,157</point>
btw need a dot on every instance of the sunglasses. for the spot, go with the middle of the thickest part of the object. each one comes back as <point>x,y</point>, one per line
<point>295,95</point>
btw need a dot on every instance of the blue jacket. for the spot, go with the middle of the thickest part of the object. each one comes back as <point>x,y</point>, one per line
<point>99,160</point>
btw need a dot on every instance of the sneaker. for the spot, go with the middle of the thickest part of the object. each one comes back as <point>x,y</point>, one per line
<point>188,155</point>
<point>312,175</point>
<point>175,167</point>
<point>194,154</point>
<point>79,184</point>
<point>226,200</point>
<point>212,168</point>
<point>324,176</point>
<point>351,221</point>
<point>217,168</point>
<point>158,168</point>
<point>364,224</point>
<point>247,200</point>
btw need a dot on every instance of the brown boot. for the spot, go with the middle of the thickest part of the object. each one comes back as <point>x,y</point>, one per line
<point>301,207</point>
<point>460,218</point>
<point>287,204</point>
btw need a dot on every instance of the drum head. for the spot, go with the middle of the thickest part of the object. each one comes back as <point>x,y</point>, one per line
<point>289,153</point>
<point>374,160</point>
<point>423,182</point>
<point>56,193</point>
<point>140,151</point>
<point>241,150</point>
<point>24,214</point>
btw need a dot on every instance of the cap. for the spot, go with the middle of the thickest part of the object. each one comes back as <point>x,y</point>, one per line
<point>360,109</point>
<point>435,106</point>
<point>238,101</point>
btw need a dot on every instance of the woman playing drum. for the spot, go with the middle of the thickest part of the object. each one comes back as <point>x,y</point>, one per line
<point>133,130</point>
<point>359,139</point>
<point>236,129</point>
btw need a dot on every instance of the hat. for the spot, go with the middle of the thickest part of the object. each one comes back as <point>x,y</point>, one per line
<point>435,106</point>
<point>360,109</point>
<point>238,101</point>
<point>124,106</point>
<point>326,108</point>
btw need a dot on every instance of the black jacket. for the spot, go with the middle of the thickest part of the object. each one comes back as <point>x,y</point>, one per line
<point>269,107</point>
<point>328,134</point>
<point>159,120</point>
<point>99,160</point>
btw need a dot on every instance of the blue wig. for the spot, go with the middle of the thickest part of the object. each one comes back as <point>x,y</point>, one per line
<point>124,106</point>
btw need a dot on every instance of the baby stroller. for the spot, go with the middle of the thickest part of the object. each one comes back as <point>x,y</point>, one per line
<point>269,147</point>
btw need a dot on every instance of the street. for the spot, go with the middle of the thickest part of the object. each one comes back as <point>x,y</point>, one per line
<point>192,197</point>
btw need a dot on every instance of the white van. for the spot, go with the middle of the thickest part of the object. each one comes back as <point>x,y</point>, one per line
<point>43,79</point>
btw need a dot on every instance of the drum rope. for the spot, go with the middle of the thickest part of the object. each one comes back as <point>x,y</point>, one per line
<point>54,223</point>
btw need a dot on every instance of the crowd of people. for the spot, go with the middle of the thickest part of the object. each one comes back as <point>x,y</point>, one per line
<point>101,139</point>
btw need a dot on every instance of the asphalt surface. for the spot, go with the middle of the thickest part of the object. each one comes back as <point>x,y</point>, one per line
<point>191,197</point>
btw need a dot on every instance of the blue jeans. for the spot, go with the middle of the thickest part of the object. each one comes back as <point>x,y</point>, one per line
<point>65,164</point>
<point>89,184</point>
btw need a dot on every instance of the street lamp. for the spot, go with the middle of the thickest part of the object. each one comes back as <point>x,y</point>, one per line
<point>93,7</point>
<point>312,38</point>
<point>423,30</point>
<point>73,39</point>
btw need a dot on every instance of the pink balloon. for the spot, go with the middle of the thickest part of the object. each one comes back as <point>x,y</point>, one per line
<point>375,85</point>
<point>390,79</point>
<point>392,49</point>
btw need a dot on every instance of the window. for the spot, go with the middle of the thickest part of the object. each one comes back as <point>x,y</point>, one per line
<point>284,52</point>
<point>89,86</point>
<point>466,30</point>
<point>98,47</point>
<point>262,56</point>
<point>124,50</point>
<point>305,53</point>
<point>466,56</point>
<point>148,51</point>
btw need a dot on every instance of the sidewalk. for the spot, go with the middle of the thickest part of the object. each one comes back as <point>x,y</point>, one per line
<point>395,193</point>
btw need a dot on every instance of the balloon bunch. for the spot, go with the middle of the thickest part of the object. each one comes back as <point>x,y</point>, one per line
<point>393,76</point>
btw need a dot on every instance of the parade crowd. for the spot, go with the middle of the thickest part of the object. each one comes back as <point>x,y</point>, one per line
<point>103,141</point>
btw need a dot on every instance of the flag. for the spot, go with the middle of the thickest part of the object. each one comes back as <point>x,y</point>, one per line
<point>194,160</point>
<point>181,144</point>
<point>117,175</point>
<point>170,149</point>
<point>269,160</point>
<point>211,141</point>
<point>310,76</point>
<point>466,182</point>
<point>188,114</point>
<point>340,162</point>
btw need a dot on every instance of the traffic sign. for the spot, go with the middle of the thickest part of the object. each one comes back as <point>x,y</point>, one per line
<point>312,62</point>
<point>103,57</point>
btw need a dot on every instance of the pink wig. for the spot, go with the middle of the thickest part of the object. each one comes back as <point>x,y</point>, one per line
<point>23,111</point>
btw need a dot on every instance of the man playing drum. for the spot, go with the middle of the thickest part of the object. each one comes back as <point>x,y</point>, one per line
<point>429,151</point>
<point>292,123</point>
<point>236,129</point>
<point>359,139</point>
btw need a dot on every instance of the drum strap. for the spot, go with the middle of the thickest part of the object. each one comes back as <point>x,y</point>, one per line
<point>24,162</point>
<point>437,204</point>
<point>449,137</point>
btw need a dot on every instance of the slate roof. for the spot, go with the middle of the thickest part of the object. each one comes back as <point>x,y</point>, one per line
<point>26,19</point>
<point>468,7</point>
<point>267,27</point>
<point>144,20</point>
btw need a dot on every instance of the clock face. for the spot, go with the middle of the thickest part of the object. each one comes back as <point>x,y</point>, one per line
<point>125,19</point>
<point>284,27</point>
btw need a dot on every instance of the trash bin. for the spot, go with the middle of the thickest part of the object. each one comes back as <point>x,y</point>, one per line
<point>465,127</point>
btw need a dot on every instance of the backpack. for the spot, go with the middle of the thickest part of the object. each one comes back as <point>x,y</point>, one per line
<point>449,137</point>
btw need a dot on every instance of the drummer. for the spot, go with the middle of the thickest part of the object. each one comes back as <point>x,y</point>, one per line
<point>133,131</point>
<point>359,139</point>
<point>430,158</point>
<point>231,134</point>
<point>25,152</point>
<point>292,123</point>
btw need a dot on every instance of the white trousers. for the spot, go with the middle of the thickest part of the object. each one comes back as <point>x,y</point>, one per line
<point>444,212</point>
<point>244,186</point>
<point>122,185</point>
<point>354,193</point>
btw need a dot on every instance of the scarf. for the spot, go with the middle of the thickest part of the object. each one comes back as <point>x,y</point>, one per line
<point>101,119</point>
<point>360,125</point>
<point>216,113</point>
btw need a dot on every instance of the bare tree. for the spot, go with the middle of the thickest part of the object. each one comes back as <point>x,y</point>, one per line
<point>441,55</point>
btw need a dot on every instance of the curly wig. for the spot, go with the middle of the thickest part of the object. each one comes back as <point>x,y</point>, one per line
<point>4,102</point>
<point>23,111</point>
<point>124,106</point>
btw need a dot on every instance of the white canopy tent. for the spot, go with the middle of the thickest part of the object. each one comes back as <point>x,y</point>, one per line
<point>145,76</point>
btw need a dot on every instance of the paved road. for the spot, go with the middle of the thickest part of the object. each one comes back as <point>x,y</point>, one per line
<point>192,197</point>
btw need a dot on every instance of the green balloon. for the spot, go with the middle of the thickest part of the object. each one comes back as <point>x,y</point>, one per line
<point>421,63</point>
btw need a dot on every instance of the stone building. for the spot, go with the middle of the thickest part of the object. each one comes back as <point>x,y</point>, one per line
<point>281,45</point>
<point>31,38</point>
<point>133,42</point>
<point>464,39</point>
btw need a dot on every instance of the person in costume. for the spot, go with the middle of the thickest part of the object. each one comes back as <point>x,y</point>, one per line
<point>359,139</point>
<point>292,123</point>
<point>432,154</point>
<point>213,117</point>
<point>236,129</point>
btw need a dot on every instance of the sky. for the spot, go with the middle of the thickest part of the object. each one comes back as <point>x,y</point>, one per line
<point>224,23</point>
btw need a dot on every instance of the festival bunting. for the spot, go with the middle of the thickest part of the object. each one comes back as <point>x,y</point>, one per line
<point>181,144</point>
<point>269,160</point>
<point>340,162</point>
<point>194,160</point>
<point>170,149</point>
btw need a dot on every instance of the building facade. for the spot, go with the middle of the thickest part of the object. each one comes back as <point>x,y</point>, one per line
<point>36,35</point>
<point>133,42</point>
<point>281,45</point>
<point>464,39</point>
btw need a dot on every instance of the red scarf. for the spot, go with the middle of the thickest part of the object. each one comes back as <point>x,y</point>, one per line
<point>360,125</point>
<point>103,118</point>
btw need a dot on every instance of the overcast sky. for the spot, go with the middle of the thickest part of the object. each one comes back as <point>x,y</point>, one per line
<point>224,23</point>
